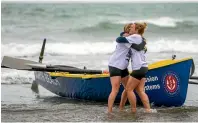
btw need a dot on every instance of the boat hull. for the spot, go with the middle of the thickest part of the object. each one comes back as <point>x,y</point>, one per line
<point>166,85</point>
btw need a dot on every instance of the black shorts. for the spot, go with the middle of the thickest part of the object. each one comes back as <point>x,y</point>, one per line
<point>118,72</point>
<point>139,74</point>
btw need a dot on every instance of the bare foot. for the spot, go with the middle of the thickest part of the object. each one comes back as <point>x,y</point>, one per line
<point>133,110</point>
<point>109,111</point>
<point>148,110</point>
<point>121,108</point>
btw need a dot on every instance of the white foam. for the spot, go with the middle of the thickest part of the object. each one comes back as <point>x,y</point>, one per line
<point>16,77</point>
<point>84,48</point>
<point>161,21</point>
<point>163,45</point>
<point>16,49</point>
<point>164,21</point>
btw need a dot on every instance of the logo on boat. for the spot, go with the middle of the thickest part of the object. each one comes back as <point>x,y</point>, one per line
<point>171,83</point>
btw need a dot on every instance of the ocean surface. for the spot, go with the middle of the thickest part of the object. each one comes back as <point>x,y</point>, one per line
<point>83,34</point>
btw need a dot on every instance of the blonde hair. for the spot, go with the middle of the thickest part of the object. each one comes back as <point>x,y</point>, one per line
<point>127,27</point>
<point>140,27</point>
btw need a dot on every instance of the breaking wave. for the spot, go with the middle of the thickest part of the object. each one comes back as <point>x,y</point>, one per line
<point>84,48</point>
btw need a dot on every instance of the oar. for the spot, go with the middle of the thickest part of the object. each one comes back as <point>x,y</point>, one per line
<point>194,77</point>
<point>15,63</point>
<point>22,64</point>
<point>34,86</point>
<point>191,82</point>
<point>192,72</point>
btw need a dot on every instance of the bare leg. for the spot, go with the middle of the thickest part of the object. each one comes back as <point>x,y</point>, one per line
<point>124,93</point>
<point>143,96</point>
<point>131,85</point>
<point>115,83</point>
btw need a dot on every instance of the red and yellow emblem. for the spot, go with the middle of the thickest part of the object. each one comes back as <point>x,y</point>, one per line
<point>171,83</point>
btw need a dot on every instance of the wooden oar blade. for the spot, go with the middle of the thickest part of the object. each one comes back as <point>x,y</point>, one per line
<point>16,63</point>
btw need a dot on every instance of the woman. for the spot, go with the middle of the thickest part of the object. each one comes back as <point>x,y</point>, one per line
<point>134,46</point>
<point>118,64</point>
<point>139,66</point>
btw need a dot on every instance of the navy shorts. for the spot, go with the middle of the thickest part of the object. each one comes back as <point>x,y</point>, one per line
<point>118,72</point>
<point>139,74</point>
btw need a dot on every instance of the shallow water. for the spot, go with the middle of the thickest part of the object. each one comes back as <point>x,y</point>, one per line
<point>84,35</point>
<point>17,106</point>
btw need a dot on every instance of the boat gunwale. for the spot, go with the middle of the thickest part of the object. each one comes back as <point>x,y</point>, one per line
<point>155,65</point>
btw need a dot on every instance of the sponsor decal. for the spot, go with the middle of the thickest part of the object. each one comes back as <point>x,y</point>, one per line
<point>171,83</point>
<point>152,87</point>
<point>151,79</point>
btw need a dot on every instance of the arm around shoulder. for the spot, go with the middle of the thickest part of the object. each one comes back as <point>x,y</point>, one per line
<point>121,40</point>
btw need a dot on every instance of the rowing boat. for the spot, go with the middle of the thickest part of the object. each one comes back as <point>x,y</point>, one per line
<point>166,83</point>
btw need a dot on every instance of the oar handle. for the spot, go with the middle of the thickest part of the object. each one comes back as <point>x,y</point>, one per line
<point>191,82</point>
<point>42,51</point>
<point>194,77</point>
<point>70,70</point>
